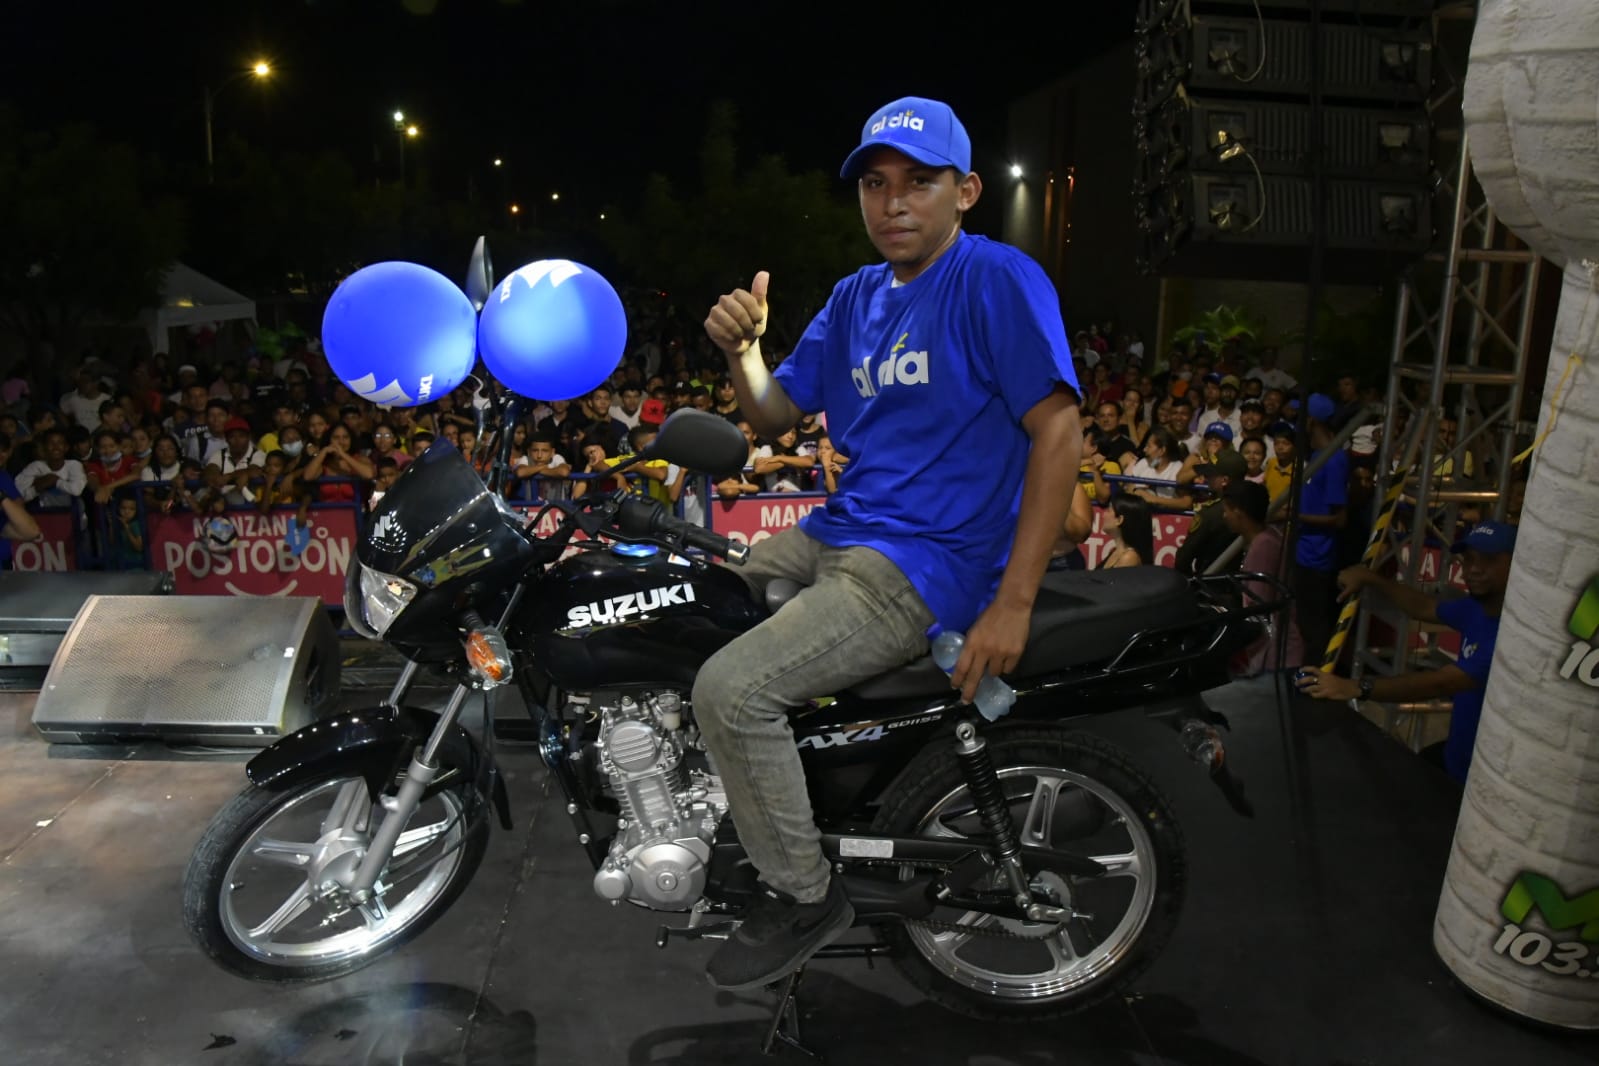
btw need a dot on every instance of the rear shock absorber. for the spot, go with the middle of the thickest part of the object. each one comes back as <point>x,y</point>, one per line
<point>988,796</point>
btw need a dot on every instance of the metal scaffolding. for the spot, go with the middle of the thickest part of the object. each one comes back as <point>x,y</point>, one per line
<point>1457,374</point>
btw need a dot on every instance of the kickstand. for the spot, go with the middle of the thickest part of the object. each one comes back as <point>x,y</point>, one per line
<point>785,1027</point>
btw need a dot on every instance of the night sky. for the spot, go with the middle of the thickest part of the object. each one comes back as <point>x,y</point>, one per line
<point>580,98</point>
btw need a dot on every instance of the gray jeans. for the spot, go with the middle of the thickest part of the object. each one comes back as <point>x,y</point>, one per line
<point>857,617</point>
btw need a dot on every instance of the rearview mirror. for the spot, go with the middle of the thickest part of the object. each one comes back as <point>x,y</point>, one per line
<point>480,274</point>
<point>701,441</point>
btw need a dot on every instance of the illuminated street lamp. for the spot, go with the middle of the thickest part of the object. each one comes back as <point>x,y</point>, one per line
<point>260,70</point>
<point>404,131</point>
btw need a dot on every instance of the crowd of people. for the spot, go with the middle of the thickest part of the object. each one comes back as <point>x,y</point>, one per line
<point>1160,437</point>
<point>155,435</point>
<point>1203,432</point>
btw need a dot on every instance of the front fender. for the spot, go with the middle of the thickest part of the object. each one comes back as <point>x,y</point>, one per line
<point>376,743</point>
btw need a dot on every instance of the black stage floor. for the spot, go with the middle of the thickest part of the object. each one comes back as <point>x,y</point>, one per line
<point>1306,937</point>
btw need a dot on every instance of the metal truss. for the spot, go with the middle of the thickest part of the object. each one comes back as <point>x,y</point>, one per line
<point>1461,333</point>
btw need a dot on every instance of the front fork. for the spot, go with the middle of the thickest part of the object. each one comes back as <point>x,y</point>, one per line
<point>423,770</point>
<point>400,807</point>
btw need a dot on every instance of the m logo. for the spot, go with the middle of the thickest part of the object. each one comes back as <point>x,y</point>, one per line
<point>1531,891</point>
<point>900,367</point>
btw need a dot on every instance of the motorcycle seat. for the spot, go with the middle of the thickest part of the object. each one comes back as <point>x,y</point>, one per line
<point>1080,617</point>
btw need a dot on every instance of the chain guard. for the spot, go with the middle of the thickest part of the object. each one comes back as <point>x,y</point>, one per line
<point>956,927</point>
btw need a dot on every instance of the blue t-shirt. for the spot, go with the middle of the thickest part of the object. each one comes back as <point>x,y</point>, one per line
<point>8,488</point>
<point>1325,489</point>
<point>1478,631</point>
<point>925,386</point>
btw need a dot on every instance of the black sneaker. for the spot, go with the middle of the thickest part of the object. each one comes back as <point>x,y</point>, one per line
<point>776,936</point>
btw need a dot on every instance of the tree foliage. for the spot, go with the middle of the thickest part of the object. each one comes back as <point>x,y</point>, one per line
<point>87,231</point>
<point>741,218</point>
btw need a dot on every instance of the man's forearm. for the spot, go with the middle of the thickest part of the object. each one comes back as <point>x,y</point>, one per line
<point>1414,602</point>
<point>1052,467</point>
<point>765,405</point>
<point>1429,684</point>
<point>16,521</point>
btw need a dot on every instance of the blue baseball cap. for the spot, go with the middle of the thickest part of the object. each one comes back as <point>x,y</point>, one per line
<point>1219,429</point>
<point>926,130</point>
<point>1490,538</point>
<point>1320,406</point>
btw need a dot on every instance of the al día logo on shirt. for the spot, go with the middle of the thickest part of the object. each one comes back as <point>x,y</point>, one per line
<point>898,368</point>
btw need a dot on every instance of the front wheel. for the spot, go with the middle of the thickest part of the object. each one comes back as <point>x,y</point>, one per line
<point>264,896</point>
<point>1067,792</point>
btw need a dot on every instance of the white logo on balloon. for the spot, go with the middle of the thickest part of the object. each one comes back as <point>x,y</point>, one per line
<point>367,389</point>
<point>557,270</point>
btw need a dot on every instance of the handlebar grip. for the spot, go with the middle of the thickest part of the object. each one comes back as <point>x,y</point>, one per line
<point>713,542</point>
<point>641,517</point>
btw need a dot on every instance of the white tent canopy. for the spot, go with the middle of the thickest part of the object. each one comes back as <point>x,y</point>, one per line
<point>190,298</point>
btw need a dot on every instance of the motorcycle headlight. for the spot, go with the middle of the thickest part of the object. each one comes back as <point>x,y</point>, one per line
<point>384,596</point>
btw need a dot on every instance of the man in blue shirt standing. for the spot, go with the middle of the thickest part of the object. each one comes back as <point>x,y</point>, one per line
<point>1486,551</point>
<point>952,341</point>
<point>16,523</point>
<point>1321,515</point>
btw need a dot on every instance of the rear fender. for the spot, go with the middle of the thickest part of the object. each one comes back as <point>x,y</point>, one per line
<point>376,743</point>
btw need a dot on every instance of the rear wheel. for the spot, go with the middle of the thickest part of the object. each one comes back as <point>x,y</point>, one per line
<point>264,893</point>
<point>1068,792</point>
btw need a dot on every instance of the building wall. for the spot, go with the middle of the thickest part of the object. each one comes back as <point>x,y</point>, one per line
<point>1079,132</point>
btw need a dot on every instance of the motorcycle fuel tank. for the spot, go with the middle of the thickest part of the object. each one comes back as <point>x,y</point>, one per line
<point>633,613</point>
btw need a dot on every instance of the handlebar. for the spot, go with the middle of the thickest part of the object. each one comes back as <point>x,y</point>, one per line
<point>642,517</point>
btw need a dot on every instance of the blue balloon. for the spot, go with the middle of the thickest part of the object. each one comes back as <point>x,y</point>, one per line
<point>399,334</point>
<point>553,330</point>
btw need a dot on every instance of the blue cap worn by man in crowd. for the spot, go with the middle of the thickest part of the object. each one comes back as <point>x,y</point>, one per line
<point>1219,429</point>
<point>925,130</point>
<point>1320,407</point>
<point>1489,538</point>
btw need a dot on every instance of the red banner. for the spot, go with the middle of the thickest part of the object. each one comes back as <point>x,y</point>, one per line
<point>259,562</point>
<point>56,552</point>
<point>752,519</point>
<point>1170,531</point>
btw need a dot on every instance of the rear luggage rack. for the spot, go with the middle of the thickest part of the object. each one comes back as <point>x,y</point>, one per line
<point>1226,602</point>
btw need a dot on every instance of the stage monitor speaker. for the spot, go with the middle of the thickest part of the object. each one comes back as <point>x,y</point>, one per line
<point>210,670</point>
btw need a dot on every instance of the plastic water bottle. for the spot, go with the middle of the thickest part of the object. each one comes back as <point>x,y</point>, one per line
<point>994,698</point>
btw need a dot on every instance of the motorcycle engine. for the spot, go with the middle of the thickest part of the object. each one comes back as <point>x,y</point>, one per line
<point>668,822</point>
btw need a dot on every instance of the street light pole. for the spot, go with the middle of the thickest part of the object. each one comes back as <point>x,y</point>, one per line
<point>404,131</point>
<point>210,160</point>
<point>260,69</point>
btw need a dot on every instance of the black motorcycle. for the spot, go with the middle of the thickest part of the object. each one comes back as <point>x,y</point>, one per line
<point>1015,868</point>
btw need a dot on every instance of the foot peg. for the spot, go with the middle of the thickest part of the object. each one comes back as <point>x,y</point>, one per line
<point>715,931</point>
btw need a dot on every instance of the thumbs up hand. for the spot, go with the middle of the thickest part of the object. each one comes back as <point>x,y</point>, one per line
<point>739,317</point>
